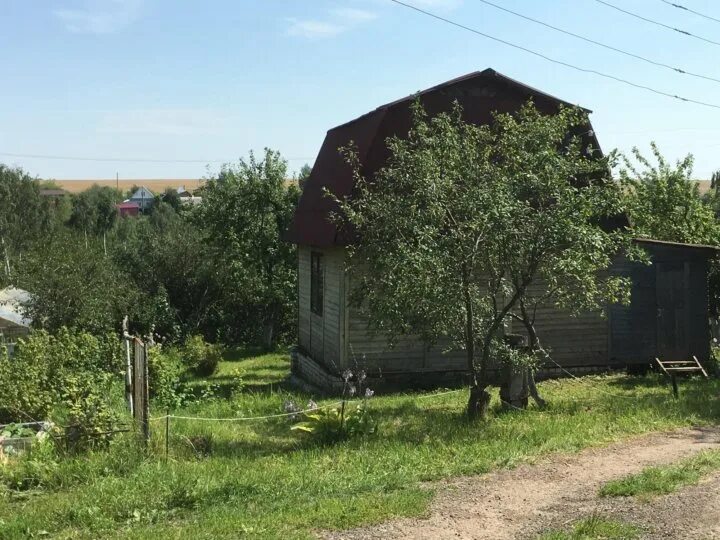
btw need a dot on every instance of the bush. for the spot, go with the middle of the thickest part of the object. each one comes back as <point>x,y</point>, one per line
<point>200,357</point>
<point>165,370</point>
<point>70,377</point>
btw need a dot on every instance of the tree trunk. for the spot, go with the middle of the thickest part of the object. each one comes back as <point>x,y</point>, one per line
<point>268,335</point>
<point>479,399</point>
<point>533,346</point>
<point>7,257</point>
<point>478,403</point>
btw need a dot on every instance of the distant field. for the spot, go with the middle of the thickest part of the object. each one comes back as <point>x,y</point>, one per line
<point>157,185</point>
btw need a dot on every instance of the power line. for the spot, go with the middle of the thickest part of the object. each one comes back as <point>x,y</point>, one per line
<point>658,23</point>
<point>131,160</point>
<point>679,6</point>
<point>553,60</point>
<point>604,45</point>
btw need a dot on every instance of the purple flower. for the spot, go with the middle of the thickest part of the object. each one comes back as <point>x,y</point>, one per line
<point>369,393</point>
<point>347,375</point>
<point>351,390</point>
<point>361,376</point>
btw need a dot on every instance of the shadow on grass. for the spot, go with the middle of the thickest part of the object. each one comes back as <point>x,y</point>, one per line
<point>238,354</point>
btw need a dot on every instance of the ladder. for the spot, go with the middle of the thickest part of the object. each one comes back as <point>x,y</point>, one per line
<point>672,367</point>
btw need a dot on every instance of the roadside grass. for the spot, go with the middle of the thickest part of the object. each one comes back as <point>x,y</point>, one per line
<point>661,480</point>
<point>596,528</point>
<point>260,480</point>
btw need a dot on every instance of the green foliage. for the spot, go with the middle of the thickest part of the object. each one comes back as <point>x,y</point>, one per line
<point>596,528</point>
<point>664,202</point>
<point>75,286</point>
<point>332,424</point>
<point>69,377</point>
<point>463,219</point>
<point>24,216</point>
<point>171,267</point>
<point>165,370</point>
<point>200,357</point>
<point>664,479</point>
<point>94,210</point>
<point>244,213</point>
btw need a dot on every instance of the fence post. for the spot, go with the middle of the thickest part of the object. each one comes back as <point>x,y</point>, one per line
<point>128,367</point>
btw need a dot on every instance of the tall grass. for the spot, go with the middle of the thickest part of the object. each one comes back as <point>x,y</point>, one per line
<point>259,479</point>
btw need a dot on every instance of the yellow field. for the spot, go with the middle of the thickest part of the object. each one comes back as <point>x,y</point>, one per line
<point>156,185</point>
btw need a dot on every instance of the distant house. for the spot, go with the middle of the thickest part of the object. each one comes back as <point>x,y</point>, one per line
<point>187,196</point>
<point>13,323</point>
<point>143,197</point>
<point>127,208</point>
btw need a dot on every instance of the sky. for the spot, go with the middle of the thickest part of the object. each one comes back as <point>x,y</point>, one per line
<point>197,84</point>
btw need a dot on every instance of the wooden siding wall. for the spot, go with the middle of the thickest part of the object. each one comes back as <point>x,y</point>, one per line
<point>321,335</point>
<point>634,328</point>
<point>572,340</point>
<point>409,353</point>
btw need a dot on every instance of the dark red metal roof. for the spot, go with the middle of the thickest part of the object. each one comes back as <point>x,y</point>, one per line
<point>480,94</point>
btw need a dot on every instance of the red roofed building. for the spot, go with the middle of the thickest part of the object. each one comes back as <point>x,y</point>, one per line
<point>127,208</point>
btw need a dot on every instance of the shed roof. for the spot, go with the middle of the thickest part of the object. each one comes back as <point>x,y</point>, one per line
<point>479,93</point>
<point>11,305</point>
<point>667,243</point>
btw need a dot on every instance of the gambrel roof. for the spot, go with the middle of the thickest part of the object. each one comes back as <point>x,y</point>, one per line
<point>480,94</point>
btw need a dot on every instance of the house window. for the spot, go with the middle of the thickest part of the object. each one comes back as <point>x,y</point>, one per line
<point>316,283</point>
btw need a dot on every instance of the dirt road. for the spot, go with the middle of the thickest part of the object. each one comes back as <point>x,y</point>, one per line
<point>522,502</point>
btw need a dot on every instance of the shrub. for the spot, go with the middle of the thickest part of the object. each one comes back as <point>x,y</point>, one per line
<point>165,369</point>
<point>70,377</point>
<point>200,357</point>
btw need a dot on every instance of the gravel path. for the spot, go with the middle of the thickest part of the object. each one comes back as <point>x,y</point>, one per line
<point>524,501</point>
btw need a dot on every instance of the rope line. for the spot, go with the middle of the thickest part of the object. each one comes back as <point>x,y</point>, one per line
<point>584,381</point>
<point>284,415</point>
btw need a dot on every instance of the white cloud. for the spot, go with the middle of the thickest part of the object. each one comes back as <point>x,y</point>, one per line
<point>99,16</point>
<point>353,15</point>
<point>313,29</point>
<point>339,20</point>
<point>163,122</point>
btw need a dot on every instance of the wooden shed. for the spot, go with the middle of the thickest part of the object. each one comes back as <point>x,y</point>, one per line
<point>668,315</point>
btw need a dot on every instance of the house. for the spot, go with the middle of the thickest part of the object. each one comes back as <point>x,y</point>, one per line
<point>667,316</point>
<point>128,208</point>
<point>13,322</point>
<point>144,198</point>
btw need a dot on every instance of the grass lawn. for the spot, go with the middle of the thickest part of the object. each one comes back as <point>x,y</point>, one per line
<point>596,528</point>
<point>260,480</point>
<point>664,479</point>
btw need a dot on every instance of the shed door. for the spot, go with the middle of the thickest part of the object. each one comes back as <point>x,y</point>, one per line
<point>672,312</point>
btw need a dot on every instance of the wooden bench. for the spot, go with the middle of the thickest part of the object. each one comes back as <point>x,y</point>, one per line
<point>672,367</point>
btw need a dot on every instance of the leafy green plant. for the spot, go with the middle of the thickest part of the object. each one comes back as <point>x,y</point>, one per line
<point>17,430</point>
<point>200,357</point>
<point>330,424</point>
<point>165,370</point>
<point>71,377</point>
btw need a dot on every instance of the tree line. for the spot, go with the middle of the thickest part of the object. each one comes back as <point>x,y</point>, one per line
<point>219,269</point>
